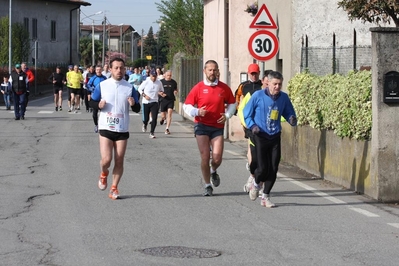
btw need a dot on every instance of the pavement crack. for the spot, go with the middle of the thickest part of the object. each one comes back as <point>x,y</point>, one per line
<point>30,202</point>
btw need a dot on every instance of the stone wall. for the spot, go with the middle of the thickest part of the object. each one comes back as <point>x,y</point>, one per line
<point>342,161</point>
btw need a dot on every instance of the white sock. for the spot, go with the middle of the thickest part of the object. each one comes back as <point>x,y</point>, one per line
<point>208,185</point>
<point>256,185</point>
<point>264,196</point>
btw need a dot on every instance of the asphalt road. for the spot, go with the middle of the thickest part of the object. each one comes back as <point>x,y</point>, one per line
<point>52,213</point>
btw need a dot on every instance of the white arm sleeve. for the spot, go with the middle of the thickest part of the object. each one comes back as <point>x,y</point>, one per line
<point>230,110</point>
<point>141,88</point>
<point>190,110</point>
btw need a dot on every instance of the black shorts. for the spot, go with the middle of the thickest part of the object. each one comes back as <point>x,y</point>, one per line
<point>57,89</point>
<point>211,132</point>
<point>114,136</point>
<point>167,104</point>
<point>75,91</point>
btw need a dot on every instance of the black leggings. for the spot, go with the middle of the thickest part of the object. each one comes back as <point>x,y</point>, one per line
<point>268,153</point>
<point>86,95</point>
<point>254,161</point>
<point>153,109</point>
<point>95,115</point>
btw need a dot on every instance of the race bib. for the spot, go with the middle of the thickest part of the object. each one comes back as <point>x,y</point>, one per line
<point>115,122</point>
<point>274,114</point>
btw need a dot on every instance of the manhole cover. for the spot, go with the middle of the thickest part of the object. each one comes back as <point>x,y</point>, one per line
<point>181,252</point>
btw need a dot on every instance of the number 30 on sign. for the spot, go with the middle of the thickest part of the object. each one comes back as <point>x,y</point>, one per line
<point>263,45</point>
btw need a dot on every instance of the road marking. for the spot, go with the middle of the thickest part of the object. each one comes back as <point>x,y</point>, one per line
<point>328,197</point>
<point>234,153</point>
<point>364,212</point>
<point>394,224</point>
<point>45,112</point>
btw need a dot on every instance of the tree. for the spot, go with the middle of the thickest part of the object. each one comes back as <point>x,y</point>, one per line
<point>20,42</point>
<point>373,11</point>
<point>184,25</point>
<point>163,46</point>
<point>150,45</point>
<point>85,49</point>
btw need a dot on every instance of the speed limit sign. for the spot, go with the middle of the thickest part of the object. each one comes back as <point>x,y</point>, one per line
<point>263,45</point>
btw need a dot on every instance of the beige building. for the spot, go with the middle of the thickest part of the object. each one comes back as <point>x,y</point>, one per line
<point>227,32</point>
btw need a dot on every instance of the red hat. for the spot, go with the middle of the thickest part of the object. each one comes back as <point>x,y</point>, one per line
<point>253,68</point>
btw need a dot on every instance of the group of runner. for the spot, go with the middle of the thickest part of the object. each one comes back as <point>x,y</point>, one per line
<point>260,105</point>
<point>81,83</point>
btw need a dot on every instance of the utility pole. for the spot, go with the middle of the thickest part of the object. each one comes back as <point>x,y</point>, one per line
<point>120,47</point>
<point>142,43</point>
<point>103,54</point>
<point>9,40</point>
<point>131,44</point>
<point>92,44</point>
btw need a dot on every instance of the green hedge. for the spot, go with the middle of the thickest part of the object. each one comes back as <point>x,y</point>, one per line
<point>334,102</point>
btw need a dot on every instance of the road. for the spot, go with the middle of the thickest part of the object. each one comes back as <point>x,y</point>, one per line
<point>52,213</point>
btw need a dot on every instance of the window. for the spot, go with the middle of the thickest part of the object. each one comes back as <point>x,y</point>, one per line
<point>53,30</point>
<point>34,28</point>
<point>26,24</point>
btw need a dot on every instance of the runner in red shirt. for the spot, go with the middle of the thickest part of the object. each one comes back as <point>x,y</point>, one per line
<point>31,79</point>
<point>207,102</point>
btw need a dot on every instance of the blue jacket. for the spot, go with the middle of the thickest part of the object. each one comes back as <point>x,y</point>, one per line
<point>264,112</point>
<point>94,81</point>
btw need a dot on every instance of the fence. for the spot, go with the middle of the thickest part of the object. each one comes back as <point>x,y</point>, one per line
<point>189,73</point>
<point>331,60</point>
<point>322,61</point>
<point>39,65</point>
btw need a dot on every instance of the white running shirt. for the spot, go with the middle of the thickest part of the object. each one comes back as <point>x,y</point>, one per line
<point>115,114</point>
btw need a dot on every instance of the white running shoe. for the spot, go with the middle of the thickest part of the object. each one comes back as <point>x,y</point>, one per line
<point>247,185</point>
<point>253,192</point>
<point>265,202</point>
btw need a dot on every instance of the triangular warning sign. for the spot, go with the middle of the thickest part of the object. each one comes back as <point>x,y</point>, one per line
<point>263,19</point>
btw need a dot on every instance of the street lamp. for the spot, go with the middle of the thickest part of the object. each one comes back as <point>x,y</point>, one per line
<point>92,36</point>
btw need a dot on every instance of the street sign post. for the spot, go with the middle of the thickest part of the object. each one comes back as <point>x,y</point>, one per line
<point>263,45</point>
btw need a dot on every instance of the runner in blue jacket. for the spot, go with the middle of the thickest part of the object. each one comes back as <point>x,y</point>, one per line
<point>91,84</point>
<point>262,115</point>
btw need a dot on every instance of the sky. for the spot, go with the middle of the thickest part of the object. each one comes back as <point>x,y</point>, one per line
<point>140,14</point>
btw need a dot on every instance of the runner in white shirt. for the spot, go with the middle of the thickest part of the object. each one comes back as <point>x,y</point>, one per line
<point>114,97</point>
<point>151,89</point>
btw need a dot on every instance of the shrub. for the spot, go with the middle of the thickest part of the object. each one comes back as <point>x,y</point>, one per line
<point>334,102</point>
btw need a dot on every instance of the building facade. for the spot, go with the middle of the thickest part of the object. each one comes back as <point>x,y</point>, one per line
<point>227,32</point>
<point>118,38</point>
<point>52,25</point>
